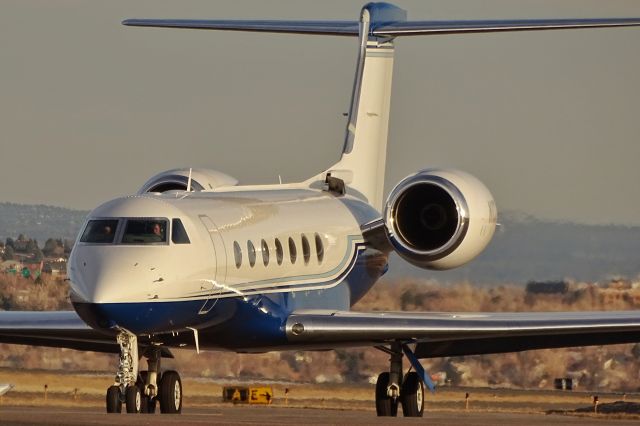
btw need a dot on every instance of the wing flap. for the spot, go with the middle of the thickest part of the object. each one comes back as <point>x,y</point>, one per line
<point>448,334</point>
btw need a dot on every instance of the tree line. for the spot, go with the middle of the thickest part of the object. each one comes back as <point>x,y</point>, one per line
<point>53,247</point>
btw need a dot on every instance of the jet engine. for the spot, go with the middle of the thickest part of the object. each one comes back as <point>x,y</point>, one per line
<point>178,180</point>
<point>440,219</point>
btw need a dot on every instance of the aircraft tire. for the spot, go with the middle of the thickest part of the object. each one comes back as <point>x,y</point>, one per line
<point>151,405</point>
<point>385,406</point>
<point>170,393</point>
<point>148,403</point>
<point>133,399</point>
<point>412,395</point>
<point>114,403</point>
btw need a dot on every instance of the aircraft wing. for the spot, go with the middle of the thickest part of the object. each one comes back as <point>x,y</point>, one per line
<point>456,334</point>
<point>60,329</point>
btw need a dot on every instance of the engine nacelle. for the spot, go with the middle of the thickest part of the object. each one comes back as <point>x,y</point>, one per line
<point>440,219</point>
<point>178,180</point>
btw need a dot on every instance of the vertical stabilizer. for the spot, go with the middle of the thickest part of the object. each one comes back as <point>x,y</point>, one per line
<point>362,166</point>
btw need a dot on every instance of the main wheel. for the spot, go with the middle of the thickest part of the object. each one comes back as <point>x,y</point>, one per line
<point>114,403</point>
<point>385,405</point>
<point>170,393</point>
<point>151,405</point>
<point>412,395</point>
<point>148,403</point>
<point>133,399</point>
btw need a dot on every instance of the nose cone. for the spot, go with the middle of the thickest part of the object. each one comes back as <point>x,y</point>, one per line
<point>86,275</point>
<point>107,282</point>
<point>113,274</point>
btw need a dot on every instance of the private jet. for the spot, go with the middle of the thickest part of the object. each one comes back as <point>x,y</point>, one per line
<point>196,260</point>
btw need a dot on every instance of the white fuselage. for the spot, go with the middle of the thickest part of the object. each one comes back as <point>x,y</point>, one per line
<point>243,243</point>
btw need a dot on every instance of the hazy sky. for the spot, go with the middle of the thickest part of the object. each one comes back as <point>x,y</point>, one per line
<point>89,109</point>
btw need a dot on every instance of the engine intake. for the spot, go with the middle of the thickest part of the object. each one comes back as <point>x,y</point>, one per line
<point>440,219</point>
<point>178,180</point>
<point>427,215</point>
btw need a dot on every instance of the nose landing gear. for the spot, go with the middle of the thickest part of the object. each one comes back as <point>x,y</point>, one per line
<point>140,391</point>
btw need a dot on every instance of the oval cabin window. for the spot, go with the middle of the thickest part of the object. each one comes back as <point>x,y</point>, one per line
<point>293,253</point>
<point>306,249</point>
<point>251,252</point>
<point>319,248</point>
<point>279,252</point>
<point>265,253</point>
<point>237,254</point>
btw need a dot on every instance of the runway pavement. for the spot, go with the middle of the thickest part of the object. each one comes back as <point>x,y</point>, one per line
<point>265,415</point>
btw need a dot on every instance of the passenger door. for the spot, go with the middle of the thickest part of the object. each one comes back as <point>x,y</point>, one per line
<point>220,254</point>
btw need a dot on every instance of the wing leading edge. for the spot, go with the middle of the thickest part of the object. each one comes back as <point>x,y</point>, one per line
<point>60,329</point>
<point>454,334</point>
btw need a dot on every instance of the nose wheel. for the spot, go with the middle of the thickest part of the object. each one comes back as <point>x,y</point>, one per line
<point>114,403</point>
<point>141,391</point>
<point>133,398</point>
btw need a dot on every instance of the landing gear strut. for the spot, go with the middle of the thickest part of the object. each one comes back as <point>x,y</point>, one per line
<point>141,390</point>
<point>124,389</point>
<point>393,389</point>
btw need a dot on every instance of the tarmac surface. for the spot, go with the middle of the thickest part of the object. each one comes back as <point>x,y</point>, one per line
<point>265,415</point>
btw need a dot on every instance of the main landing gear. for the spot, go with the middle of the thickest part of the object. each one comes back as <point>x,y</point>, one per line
<point>393,389</point>
<point>141,391</point>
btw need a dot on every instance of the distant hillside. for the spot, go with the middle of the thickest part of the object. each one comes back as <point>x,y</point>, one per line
<point>523,249</point>
<point>39,221</point>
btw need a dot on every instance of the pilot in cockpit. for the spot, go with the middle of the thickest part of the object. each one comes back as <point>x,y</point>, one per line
<point>158,235</point>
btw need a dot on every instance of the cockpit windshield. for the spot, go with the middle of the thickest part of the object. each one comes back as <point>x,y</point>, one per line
<point>100,231</point>
<point>137,231</point>
<point>145,231</point>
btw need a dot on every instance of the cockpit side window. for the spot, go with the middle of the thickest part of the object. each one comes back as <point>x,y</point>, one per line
<point>102,231</point>
<point>178,233</point>
<point>145,231</point>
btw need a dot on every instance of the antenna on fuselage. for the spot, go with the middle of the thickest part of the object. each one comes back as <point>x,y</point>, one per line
<point>189,180</point>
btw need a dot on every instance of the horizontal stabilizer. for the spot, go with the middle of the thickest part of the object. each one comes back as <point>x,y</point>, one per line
<point>388,29</point>
<point>457,27</point>
<point>343,28</point>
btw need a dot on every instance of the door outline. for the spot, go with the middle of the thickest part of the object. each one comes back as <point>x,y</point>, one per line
<point>220,253</point>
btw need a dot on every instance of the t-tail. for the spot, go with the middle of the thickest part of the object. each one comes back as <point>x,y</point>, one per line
<point>362,165</point>
<point>361,168</point>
